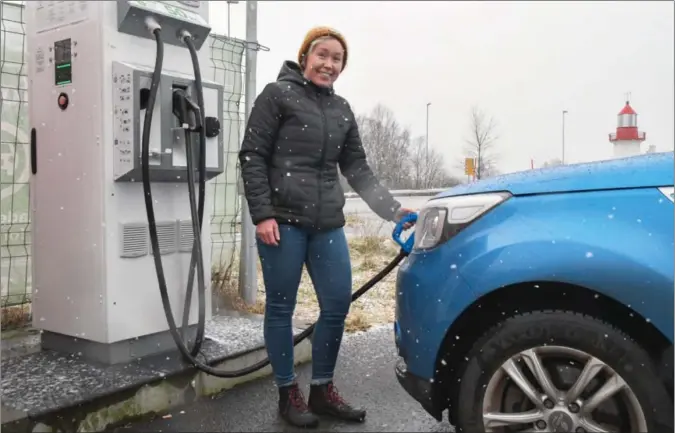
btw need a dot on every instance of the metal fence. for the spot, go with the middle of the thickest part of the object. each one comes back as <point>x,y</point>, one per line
<point>14,169</point>
<point>227,67</point>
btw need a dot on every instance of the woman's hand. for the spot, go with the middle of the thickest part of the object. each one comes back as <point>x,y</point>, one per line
<point>400,213</point>
<point>268,232</point>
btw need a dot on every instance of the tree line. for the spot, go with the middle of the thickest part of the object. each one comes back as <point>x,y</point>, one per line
<point>401,160</point>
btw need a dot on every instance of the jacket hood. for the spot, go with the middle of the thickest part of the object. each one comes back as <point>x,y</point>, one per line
<point>290,72</point>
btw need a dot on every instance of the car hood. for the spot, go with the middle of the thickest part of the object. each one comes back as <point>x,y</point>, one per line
<point>649,170</point>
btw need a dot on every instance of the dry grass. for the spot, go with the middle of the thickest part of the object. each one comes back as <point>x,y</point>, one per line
<point>15,317</point>
<point>369,252</point>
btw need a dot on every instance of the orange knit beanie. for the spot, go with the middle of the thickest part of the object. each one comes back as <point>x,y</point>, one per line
<point>319,32</point>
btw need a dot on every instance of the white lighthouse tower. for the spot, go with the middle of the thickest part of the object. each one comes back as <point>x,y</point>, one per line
<point>627,139</point>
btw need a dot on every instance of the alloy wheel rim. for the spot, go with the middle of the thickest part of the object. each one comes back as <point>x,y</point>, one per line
<point>554,406</point>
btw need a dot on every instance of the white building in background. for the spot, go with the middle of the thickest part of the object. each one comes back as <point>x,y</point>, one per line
<point>627,138</point>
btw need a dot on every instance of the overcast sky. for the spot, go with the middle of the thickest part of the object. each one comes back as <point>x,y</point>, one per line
<point>523,62</point>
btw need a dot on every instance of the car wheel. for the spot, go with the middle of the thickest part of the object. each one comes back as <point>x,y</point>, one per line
<point>560,371</point>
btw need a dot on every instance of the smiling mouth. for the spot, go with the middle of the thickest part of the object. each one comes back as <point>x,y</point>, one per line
<point>325,74</point>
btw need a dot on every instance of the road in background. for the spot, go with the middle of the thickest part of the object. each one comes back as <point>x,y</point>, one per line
<point>365,376</point>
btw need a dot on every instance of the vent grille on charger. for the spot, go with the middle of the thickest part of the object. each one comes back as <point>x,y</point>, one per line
<point>135,240</point>
<point>166,234</point>
<point>185,236</point>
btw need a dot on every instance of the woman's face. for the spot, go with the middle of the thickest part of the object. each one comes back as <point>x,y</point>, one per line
<point>323,64</point>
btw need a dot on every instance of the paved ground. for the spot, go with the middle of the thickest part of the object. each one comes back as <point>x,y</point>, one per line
<point>369,357</point>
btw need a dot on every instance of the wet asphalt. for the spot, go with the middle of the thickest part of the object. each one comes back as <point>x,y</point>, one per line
<point>364,376</point>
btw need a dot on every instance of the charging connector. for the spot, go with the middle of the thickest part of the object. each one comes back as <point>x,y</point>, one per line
<point>188,113</point>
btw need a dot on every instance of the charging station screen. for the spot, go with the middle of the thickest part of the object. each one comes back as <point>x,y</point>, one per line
<point>63,72</point>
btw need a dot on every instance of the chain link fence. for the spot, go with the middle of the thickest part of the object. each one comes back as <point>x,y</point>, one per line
<point>226,68</point>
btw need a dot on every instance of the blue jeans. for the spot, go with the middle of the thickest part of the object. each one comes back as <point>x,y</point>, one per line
<point>326,256</point>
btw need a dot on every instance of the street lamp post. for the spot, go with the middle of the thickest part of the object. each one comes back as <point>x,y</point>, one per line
<point>563,136</point>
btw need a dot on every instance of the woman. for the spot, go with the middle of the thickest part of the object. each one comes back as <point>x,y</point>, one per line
<point>299,133</point>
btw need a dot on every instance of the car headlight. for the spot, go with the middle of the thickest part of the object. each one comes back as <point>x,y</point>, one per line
<point>441,219</point>
<point>669,192</point>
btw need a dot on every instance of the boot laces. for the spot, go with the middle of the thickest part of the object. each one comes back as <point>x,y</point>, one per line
<point>297,399</point>
<point>334,396</point>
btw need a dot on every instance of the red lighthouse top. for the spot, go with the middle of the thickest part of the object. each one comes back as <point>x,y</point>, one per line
<point>626,126</point>
<point>627,109</point>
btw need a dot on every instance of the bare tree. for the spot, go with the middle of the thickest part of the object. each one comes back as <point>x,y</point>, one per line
<point>427,170</point>
<point>386,144</point>
<point>398,161</point>
<point>480,144</point>
<point>417,163</point>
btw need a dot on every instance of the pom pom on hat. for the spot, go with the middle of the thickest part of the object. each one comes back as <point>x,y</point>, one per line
<point>319,32</point>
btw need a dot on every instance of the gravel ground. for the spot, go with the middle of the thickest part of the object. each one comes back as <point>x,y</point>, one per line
<point>365,376</point>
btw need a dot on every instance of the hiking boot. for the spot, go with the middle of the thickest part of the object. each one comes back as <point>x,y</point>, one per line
<point>293,408</point>
<point>325,400</point>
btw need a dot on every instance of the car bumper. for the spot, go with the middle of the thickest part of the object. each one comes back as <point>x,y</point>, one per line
<point>417,388</point>
<point>430,295</point>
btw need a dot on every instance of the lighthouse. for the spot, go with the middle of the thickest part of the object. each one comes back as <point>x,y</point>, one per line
<point>627,138</point>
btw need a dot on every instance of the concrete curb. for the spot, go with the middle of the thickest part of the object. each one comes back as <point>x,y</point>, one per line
<point>157,397</point>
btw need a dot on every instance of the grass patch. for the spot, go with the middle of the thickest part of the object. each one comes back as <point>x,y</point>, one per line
<point>15,317</point>
<point>370,251</point>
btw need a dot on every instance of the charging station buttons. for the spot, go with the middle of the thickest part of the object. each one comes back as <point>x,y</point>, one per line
<point>63,101</point>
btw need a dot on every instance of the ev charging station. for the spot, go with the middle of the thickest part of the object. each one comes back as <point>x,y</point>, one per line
<point>91,70</point>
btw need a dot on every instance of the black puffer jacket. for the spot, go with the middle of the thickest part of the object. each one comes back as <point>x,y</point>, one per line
<point>297,136</point>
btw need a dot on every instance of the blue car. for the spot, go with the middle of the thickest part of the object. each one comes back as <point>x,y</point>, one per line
<point>543,300</point>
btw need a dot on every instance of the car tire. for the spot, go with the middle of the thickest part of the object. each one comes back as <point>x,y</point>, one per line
<point>563,329</point>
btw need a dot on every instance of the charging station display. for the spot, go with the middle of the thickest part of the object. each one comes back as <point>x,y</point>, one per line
<point>63,66</point>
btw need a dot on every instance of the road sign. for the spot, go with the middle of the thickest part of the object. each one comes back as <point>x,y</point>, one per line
<point>469,167</point>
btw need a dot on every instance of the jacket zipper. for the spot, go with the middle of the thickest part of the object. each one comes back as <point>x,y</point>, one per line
<point>323,158</point>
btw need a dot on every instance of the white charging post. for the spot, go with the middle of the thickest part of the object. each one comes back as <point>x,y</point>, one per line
<point>95,285</point>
